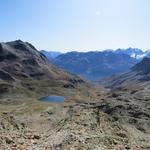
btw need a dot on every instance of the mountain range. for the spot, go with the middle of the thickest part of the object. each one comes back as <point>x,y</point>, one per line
<point>96,65</point>
<point>134,52</point>
<point>116,116</point>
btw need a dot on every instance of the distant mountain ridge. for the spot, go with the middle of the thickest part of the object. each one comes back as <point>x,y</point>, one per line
<point>94,65</point>
<point>50,54</point>
<point>136,53</point>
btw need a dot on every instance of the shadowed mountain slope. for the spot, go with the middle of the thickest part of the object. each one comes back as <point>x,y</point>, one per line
<point>21,60</point>
<point>138,75</point>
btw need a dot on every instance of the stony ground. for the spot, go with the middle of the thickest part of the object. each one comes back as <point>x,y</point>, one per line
<point>117,120</point>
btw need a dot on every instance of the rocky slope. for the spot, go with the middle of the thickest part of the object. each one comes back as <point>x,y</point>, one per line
<point>91,118</point>
<point>107,125</point>
<point>25,72</point>
<point>139,75</point>
<point>20,60</point>
<point>128,100</point>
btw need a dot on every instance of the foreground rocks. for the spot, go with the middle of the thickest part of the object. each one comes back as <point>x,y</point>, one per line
<point>15,135</point>
<point>80,126</point>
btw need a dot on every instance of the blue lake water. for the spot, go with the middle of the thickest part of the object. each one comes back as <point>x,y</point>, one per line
<point>52,99</point>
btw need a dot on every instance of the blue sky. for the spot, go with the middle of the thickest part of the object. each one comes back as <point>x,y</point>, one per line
<point>83,25</point>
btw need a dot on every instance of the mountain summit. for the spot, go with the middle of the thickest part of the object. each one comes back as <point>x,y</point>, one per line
<point>22,61</point>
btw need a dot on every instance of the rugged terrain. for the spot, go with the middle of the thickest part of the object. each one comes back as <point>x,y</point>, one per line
<point>138,75</point>
<point>26,73</point>
<point>118,121</point>
<point>129,100</point>
<point>91,118</point>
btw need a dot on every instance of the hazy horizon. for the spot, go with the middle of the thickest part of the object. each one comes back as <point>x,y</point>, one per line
<point>75,25</point>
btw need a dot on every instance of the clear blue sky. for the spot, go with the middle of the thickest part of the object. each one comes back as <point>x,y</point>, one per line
<point>81,25</point>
